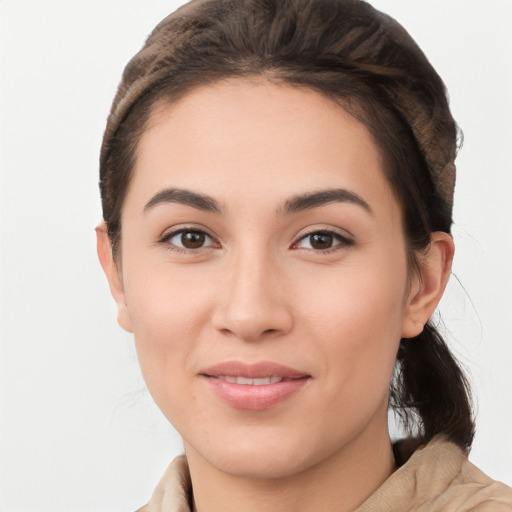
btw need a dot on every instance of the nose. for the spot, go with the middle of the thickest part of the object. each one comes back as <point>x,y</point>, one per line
<point>253,301</point>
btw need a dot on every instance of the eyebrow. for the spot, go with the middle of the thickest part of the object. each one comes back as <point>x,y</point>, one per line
<point>293,205</point>
<point>186,197</point>
<point>322,197</point>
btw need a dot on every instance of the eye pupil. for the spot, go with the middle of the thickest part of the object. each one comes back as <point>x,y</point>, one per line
<point>321,241</point>
<point>193,239</point>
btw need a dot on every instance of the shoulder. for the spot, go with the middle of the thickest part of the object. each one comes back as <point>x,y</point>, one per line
<point>439,477</point>
<point>479,492</point>
<point>173,491</point>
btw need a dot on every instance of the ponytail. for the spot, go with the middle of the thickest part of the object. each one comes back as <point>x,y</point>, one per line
<point>429,392</point>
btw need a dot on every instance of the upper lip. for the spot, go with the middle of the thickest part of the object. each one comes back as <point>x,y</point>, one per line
<point>258,370</point>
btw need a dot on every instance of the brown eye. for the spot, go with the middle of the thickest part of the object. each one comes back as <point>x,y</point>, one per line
<point>322,241</point>
<point>190,239</point>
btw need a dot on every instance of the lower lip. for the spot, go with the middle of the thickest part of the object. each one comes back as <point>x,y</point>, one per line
<point>255,398</point>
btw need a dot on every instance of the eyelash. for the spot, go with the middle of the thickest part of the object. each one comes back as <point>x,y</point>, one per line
<point>166,240</point>
<point>343,241</point>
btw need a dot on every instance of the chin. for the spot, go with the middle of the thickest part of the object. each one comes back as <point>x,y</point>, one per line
<point>263,457</point>
<point>261,463</point>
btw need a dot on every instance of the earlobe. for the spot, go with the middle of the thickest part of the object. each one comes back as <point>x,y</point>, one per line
<point>429,284</point>
<point>105,255</point>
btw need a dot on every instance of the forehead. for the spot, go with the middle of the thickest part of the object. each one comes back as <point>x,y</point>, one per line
<point>254,134</point>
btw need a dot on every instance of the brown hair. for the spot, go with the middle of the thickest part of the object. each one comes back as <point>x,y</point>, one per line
<point>365,61</point>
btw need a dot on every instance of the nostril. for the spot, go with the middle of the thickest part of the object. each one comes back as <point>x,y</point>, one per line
<point>249,321</point>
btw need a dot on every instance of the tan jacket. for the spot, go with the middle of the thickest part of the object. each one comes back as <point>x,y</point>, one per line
<point>437,478</point>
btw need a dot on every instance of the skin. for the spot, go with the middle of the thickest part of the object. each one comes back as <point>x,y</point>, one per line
<point>261,289</point>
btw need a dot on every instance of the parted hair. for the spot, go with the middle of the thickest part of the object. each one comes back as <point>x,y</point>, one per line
<point>368,64</point>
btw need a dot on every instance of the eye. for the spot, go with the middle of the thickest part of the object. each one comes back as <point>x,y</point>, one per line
<point>189,239</point>
<point>322,241</point>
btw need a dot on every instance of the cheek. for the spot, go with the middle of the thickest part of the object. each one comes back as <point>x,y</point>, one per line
<point>356,318</point>
<point>168,315</point>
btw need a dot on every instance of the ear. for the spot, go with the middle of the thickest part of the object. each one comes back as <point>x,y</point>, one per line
<point>106,257</point>
<point>428,285</point>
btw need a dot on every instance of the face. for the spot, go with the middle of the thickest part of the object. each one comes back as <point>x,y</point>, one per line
<point>264,275</point>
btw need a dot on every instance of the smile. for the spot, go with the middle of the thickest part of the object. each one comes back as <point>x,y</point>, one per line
<point>254,386</point>
<point>246,381</point>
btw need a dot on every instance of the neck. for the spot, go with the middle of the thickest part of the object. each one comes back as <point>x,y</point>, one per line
<point>339,483</point>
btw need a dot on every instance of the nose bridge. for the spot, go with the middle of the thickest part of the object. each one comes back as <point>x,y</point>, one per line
<point>253,304</point>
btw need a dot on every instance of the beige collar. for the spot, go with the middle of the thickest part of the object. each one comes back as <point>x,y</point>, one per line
<point>437,478</point>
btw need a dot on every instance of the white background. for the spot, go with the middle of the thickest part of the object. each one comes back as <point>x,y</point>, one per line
<point>77,430</point>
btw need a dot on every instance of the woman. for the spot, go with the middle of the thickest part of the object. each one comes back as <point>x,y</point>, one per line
<point>277,185</point>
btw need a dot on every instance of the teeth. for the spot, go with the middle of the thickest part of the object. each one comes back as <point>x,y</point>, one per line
<point>250,382</point>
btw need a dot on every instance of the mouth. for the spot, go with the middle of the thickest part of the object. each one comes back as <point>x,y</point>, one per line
<point>254,386</point>
<point>247,381</point>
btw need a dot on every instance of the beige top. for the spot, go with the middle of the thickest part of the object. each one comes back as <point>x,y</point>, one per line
<point>437,478</point>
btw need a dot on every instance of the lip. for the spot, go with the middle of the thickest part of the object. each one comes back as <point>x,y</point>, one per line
<point>251,396</point>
